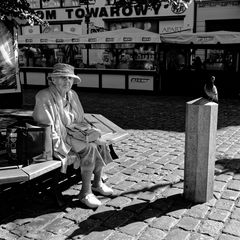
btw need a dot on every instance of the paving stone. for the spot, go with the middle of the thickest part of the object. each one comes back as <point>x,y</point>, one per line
<point>124,185</point>
<point>129,171</point>
<point>120,236</point>
<point>177,234</point>
<point>133,228</point>
<point>117,178</point>
<point>189,224</point>
<point>152,234</point>
<point>78,214</point>
<point>136,206</point>
<point>148,215</point>
<point>4,234</point>
<point>118,219</point>
<point>234,185</point>
<point>119,202</point>
<point>233,228</point>
<point>198,236</point>
<point>164,223</point>
<point>43,235</point>
<point>198,211</point>
<point>223,177</point>
<point>219,215</point>
<point>147,196</point>
<point>103,212</point>
<point>236,214</point>
<point>224,204</point>
<point>230,195</point>
<point>59,226</point>
<point>82,229</point>
<point>228,237</point>
<point>212,228</point>
<point>177,213</point>
<point>99,234</point>
<point>219,186</point>
<point>172,192</point>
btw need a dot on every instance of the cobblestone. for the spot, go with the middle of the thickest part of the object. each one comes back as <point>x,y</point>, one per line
<point>147,179</point>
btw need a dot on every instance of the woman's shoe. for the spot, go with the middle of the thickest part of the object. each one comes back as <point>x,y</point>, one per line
<point>103,189</point>
<point>91,201</point>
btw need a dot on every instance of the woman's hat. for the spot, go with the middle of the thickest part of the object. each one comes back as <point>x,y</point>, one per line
<point>64,70</point>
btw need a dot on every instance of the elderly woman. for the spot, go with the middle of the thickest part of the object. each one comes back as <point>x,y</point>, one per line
<point>59,106</point>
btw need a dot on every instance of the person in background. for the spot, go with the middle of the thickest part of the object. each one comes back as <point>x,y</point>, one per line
<point>59,106</point>
<point>210,90</point>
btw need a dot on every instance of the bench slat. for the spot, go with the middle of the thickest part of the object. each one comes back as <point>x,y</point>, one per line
<point>38,169</point>
<point>96,123</point>
<point>115,137</point>
<point>13,175</point>
<point>112,126</point>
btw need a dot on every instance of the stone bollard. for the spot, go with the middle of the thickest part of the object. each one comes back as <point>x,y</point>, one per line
<point>200,146</point>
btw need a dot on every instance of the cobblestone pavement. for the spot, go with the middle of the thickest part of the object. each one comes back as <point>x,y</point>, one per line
<point>147,180</point>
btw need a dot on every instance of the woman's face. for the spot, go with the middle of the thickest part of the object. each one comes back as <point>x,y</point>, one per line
<point>63,84</point>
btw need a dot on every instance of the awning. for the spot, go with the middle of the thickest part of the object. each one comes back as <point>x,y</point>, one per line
<point>52,37</point>
<point>202,38</point>
<point>126,35</point>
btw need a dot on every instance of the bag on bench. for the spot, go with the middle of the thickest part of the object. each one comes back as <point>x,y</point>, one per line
<point>26,141</point>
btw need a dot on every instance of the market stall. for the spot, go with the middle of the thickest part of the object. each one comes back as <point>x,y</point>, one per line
<point>190,56</point>
<point>124,59</point>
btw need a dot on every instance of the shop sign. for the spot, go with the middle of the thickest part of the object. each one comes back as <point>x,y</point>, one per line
<point>109,39</point>
<point>127,39</point>
<point>92,40</point>
<point>205,39</point>
<point>171,26</point>
<point>104,12</point>
<point>146,39</point>
<point>138,82</point>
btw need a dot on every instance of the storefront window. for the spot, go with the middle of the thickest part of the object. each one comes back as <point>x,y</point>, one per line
<point>176,60</point>
<point>219,60</point>
<point>48,55</point>
<point>124,56</point>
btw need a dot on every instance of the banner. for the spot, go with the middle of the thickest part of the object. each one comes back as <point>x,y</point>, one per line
<point>9,79</point>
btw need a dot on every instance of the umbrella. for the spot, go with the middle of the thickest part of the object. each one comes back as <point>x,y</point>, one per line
<point>126,35</point>
<point>202,38</point>
<point>51,37</point>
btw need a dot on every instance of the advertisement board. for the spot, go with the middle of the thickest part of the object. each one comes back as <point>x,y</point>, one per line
<point>139,82</point>
<point>9,79</point>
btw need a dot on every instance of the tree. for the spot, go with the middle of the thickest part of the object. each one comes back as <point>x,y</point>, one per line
<point>177,5</point>
<point>17,11</point>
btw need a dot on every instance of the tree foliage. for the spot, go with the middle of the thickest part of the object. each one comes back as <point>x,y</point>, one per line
<point>17,11</point>
<point>175,4</point>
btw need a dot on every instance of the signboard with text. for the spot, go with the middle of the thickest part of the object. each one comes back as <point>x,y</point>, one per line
<point>140,82</point>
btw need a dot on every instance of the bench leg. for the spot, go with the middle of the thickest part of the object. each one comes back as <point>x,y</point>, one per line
<point>57,190</point>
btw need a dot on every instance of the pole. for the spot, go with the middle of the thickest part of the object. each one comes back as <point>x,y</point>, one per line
<point>87,20</point>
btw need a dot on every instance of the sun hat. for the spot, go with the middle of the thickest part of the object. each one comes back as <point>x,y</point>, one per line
<point>64,70</point>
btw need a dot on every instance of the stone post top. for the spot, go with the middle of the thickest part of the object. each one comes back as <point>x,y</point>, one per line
<point>201,101</point>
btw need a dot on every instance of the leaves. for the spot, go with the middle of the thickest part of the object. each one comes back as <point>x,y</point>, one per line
<point>175,4</point>
<point>19,10</point>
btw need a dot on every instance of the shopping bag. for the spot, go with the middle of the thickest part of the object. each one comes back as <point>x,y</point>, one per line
<point>26,141</point>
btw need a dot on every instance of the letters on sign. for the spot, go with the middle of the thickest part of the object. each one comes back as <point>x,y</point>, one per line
<point>139,80</point>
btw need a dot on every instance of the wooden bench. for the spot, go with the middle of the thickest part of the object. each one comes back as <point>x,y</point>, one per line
<point>111,132</point>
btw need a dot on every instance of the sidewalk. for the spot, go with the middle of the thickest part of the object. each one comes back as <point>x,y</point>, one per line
<point>147,180</point>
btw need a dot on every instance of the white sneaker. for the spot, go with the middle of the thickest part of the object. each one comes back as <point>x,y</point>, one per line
<point>91,201</point>
<point>103,189</point>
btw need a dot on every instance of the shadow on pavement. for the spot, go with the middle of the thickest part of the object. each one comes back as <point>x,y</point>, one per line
<point>141,212</point>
